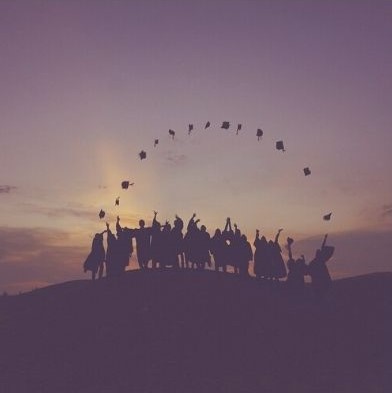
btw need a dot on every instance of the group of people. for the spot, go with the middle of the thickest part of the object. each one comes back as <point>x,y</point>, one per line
<point>165,246</point>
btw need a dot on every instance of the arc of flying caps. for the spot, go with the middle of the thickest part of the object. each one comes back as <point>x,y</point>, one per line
<point>156,142</point>
<point>280,146</point>
<point>225,125</point>
<point>172,133</point>
<point>125,184</point>
<point>327,217</point>
<point>117,202</point>
<point>142,155</point>
<point>307,171</point>
<point>239,128</point>
<point>190,129</point>
<point>207,125</point>
<point>259,133</point>
<point>101,214</point>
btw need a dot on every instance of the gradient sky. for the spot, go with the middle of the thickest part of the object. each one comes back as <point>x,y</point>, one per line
<point>86,85</point>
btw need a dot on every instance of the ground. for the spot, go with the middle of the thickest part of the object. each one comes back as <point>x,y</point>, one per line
<point>197,332</point>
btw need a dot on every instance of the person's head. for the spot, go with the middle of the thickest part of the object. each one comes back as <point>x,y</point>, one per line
<point>244,238</point>
<point>218,232</point>
<point>203,228</point>
<point>141,223</point>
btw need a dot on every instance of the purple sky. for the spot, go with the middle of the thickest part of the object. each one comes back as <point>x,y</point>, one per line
<point>85,85</point>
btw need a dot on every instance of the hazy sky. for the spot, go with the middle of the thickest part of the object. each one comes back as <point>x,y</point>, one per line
<point>86,85</point>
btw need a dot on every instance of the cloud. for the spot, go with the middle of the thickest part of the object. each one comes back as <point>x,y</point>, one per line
<point>176,159</point>
<point>39,255</point>
<point>387,211</point>
<point>6,189</point>
<point>61,212</point>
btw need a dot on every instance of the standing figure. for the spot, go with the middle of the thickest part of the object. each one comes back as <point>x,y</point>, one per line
<point>156,242</point>
<point>96,258</point>
<point>124,246</point>
<point>278,265</point>
<point>217,247</point>
<point>318,271</point>
<point>178,239</point>
<point>143,244</point>
<point>296,270</point>
<point>261,257</point>
<point>245,256</point>
<point>202,248</point>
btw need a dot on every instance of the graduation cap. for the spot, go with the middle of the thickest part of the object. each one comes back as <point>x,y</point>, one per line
<point>156,142</point>
<point>190,128</point>
<point>259,133</point>
<point>207,125</point>
<point>327,217</point>
<point>239,128</point>
<point>101,214</point>
<point>172,133</point>
<point>125,184</point>
<point>280,146</point>
<point>142,155</point>
<point>117,203</point>
<point>225,125</point>
<point>307,171</point>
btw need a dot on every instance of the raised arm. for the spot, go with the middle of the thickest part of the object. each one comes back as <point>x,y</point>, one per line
<point>191,222</point>
<point>324,241</point>
<point>118,226</point>
<point>257,237</point>
<point>277,235</point>
<point>289,243</point>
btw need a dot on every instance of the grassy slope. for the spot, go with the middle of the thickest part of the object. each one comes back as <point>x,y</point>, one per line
<point>196,332</point>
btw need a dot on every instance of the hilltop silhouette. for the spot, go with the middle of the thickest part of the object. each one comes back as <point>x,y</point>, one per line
<point>203,331</point>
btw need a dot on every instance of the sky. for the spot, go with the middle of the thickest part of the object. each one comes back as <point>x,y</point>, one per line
<point>86,85</point>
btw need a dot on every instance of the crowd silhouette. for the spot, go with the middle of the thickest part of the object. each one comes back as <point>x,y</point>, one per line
<point>163,246</point>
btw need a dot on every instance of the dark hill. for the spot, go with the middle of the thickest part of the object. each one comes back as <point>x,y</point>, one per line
<point>196,332</point>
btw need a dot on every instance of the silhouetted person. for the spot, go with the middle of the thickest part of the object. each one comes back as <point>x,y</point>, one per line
<point>96,257</point>
<point>202,248</point>
<point>217,247</point>
<point>178,239</point>
<point>296,271</point>
<point>228,236</point>
<point>156,241</point>
<point>318,271</point>
<point>261,267</point>
<point>245,256</point>
<point>112,260</point>
<point>278,265</point>
<point>168,251</point>
<point>190,240</point>
<point>235,249</point>
<point>143,244</point>
<point>124,247</point>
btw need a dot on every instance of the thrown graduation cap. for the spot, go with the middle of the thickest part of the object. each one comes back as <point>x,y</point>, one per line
<point>117,203</point>
<point>307,171</point>
<point>239,128</point>
<point>327,217</point>
<point>142,155</point>
<point>207,125</point>
<point>125,184</point>
<point>280,146</point>
<point>172,133</point>
<point>259,133</point>
<point>225,125</point>
<point>156,142</point>
<point>190,128</point>
<point>101,214</point>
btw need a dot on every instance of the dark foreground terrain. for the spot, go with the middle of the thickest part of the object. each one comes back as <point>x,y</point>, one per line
<point>197,332</point>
